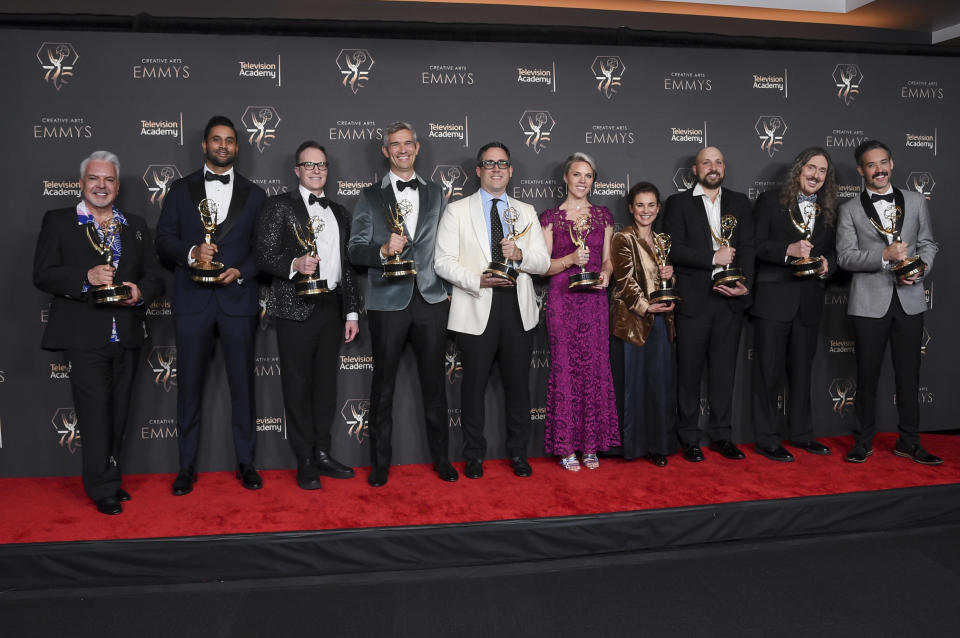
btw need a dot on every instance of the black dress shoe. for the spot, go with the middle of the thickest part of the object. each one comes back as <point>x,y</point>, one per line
<point>248,476</point>
<point>123,495</point>
<point>378,476</point>
<point>446,472</point>
<point>859,453</point>
<point>693,454</point>
<point>813,447</point>
<point>778,453</point>
<point>520,466</point>
<point>658,459</point>
<point>727,449</point>
<point>108,505</point>
<point>307,477</point>
<point>474,469</point>
<point>917,453</point>
<point>183,484</point>
<point>329,466</point>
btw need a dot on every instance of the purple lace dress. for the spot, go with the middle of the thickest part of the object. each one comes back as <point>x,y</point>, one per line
<point>581,407</point>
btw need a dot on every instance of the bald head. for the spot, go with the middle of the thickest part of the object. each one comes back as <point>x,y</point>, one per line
<point>709,168</point>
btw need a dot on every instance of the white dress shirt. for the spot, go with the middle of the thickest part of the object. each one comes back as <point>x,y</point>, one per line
<point>411,195</point>
<point>713,217</point>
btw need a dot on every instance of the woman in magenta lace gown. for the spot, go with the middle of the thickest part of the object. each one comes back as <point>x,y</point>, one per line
<point>581,408</point>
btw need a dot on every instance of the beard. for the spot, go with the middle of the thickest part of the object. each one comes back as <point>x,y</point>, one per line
<point>216,161</point>
<point>710,180</point>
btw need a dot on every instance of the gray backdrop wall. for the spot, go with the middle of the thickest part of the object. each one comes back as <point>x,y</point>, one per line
<point>643,112</point>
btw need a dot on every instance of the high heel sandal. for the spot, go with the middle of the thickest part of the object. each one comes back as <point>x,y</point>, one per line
<point>590,461</point>
<point>570,463</point>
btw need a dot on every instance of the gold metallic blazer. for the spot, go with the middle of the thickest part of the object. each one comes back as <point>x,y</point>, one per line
<point>634,277</point>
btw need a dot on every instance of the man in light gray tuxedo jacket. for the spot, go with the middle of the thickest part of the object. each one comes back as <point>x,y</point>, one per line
<point>492,316</point>
<point>884,307</point>
<point>400,309</point>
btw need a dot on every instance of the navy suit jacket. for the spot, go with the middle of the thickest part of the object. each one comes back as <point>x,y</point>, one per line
<point>179,228</point>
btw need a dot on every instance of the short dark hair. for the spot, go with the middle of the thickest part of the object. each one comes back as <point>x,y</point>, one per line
<point>870,145</point>
<point>396,127</point>
<point>304,146</point>
<point>486,147</point>
<point>642,187</point>
<point>218,120</point>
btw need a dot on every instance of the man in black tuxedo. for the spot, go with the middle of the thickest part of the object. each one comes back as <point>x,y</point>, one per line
<point>786,308</point>
<point>101,341</point>
<point>227,308</point>
<point>403,309</point>
<point>310,328</point>
<point>710,316</point>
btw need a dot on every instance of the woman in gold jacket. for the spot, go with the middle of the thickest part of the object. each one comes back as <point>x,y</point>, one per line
<point>646,331</point>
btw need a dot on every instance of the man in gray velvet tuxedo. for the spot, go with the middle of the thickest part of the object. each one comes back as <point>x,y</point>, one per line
<point>407,307</point>
<point>885,307</point>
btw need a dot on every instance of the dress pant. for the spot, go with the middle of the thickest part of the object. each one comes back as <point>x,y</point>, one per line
<point>309,359</point>
<point>711,338</point>
<point>505,341</point>
<point>101,381</point>
<point>424,325</point>
<point>196,334</point>
<point>905,334</point>
<point>784,352</point>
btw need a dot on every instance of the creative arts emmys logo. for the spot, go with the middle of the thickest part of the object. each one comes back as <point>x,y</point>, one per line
<point>261,123</point>
<point>771,129</point>
<point>843,394</point>
<point>608,71</point>
<point>847,78</point>
<point>65,423</point>
<point>684,179</point>
<point>58,60</point>
<point>355,65</point>
<point>163,362</point>
<point>537,127</point>
<point>452,178</point>
<point>354,413</point>
<point>158,179</point>
<point>452,364</point>
<point>921,182</point>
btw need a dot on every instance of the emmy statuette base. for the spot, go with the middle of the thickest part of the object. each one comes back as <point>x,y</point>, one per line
<point>807,267</point>
<point>665,295</point>
<point>309,286</point>
<point>584,280</point>
<point>206,272</point>
<point>728,277</point>
<point>502,270</point>
<point>111,294</point>
<point>398,268</point>
<point>909,267</point>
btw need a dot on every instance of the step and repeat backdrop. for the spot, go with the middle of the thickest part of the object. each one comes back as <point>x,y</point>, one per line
<point>642,112</point>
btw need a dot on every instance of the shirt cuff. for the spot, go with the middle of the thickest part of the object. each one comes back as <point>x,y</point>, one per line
<point>353,316</point>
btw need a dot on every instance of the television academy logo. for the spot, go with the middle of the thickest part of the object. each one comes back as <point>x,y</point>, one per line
<point>58,60</point>
<point>163,128</point>
<point>62,188</point>
<point>61,370</point>
<point>65,423</point>
<point>537,127</point>
<point>257,70</point>
<point>261,123</point>
<point>158,178</point>
<point>355,66</point>
<point>450,131</point>
<point>271,424</point>
<point>843,393</point>
<point>771,129</point>
<point>847,78</point>
<point>352,187</point>
<point>452,178</point>
<point>771,81</point>
<point>921,182</point>
<point>608,70</point>
<point>163,363</point>
<point>452,364</point>
<point>355,414</point>
<point>536,75</point>
<point>922,141</point>
<point>684,179</point>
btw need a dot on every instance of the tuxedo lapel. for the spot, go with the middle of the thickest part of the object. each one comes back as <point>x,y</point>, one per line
<point>389,201</point>
<point>478,220</point>
<point>427,210</point>
<point>237,203</point>
<point>871,211</point>
<point>700,211</point>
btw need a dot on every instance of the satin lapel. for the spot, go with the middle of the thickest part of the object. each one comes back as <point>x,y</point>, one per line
<point>198,193</point>
<point>871,212</point>
<point>427,210</point>
<point>701,207</point>
<point>901,204</point>
<point>792,214</point>
<point>725,210</point>
<point>237,203</point>
<point>127,241</point>
<point>389,201</point>
<point>479,221</point>
<point>300,214</point>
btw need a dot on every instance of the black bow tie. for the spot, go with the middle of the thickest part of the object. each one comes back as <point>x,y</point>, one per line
<point>876,198</point>
<point>323,201</point>
<point>213,177</point>
<point>413,183</point>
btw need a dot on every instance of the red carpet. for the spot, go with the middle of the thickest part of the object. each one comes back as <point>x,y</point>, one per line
<point>56,509</point>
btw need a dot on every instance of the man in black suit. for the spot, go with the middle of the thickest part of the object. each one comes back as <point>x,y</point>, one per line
<point>227,308</point>
<point>402,309</point>
<point>786,309</point>
<point>101,341</point>
<point>710,316</point>
<point>309,327</point>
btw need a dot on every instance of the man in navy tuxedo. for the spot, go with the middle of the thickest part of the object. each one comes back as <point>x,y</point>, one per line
<point>226,308</point>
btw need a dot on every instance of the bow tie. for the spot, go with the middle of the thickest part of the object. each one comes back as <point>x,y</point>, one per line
<point>413,183</point>
<point>323,201</point>
<point>213,177</point>
<point>876,198</point>
<point>803,199</point>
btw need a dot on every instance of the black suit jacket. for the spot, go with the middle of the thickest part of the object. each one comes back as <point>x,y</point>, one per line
<point>778,295</point>
<point>277,247</point>
<point>61,260</point>
<point>179,228</point>
<point>685,220</point>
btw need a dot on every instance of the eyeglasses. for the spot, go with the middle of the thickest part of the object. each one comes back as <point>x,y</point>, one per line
<point>320,166</point>
<point>488,164</point>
